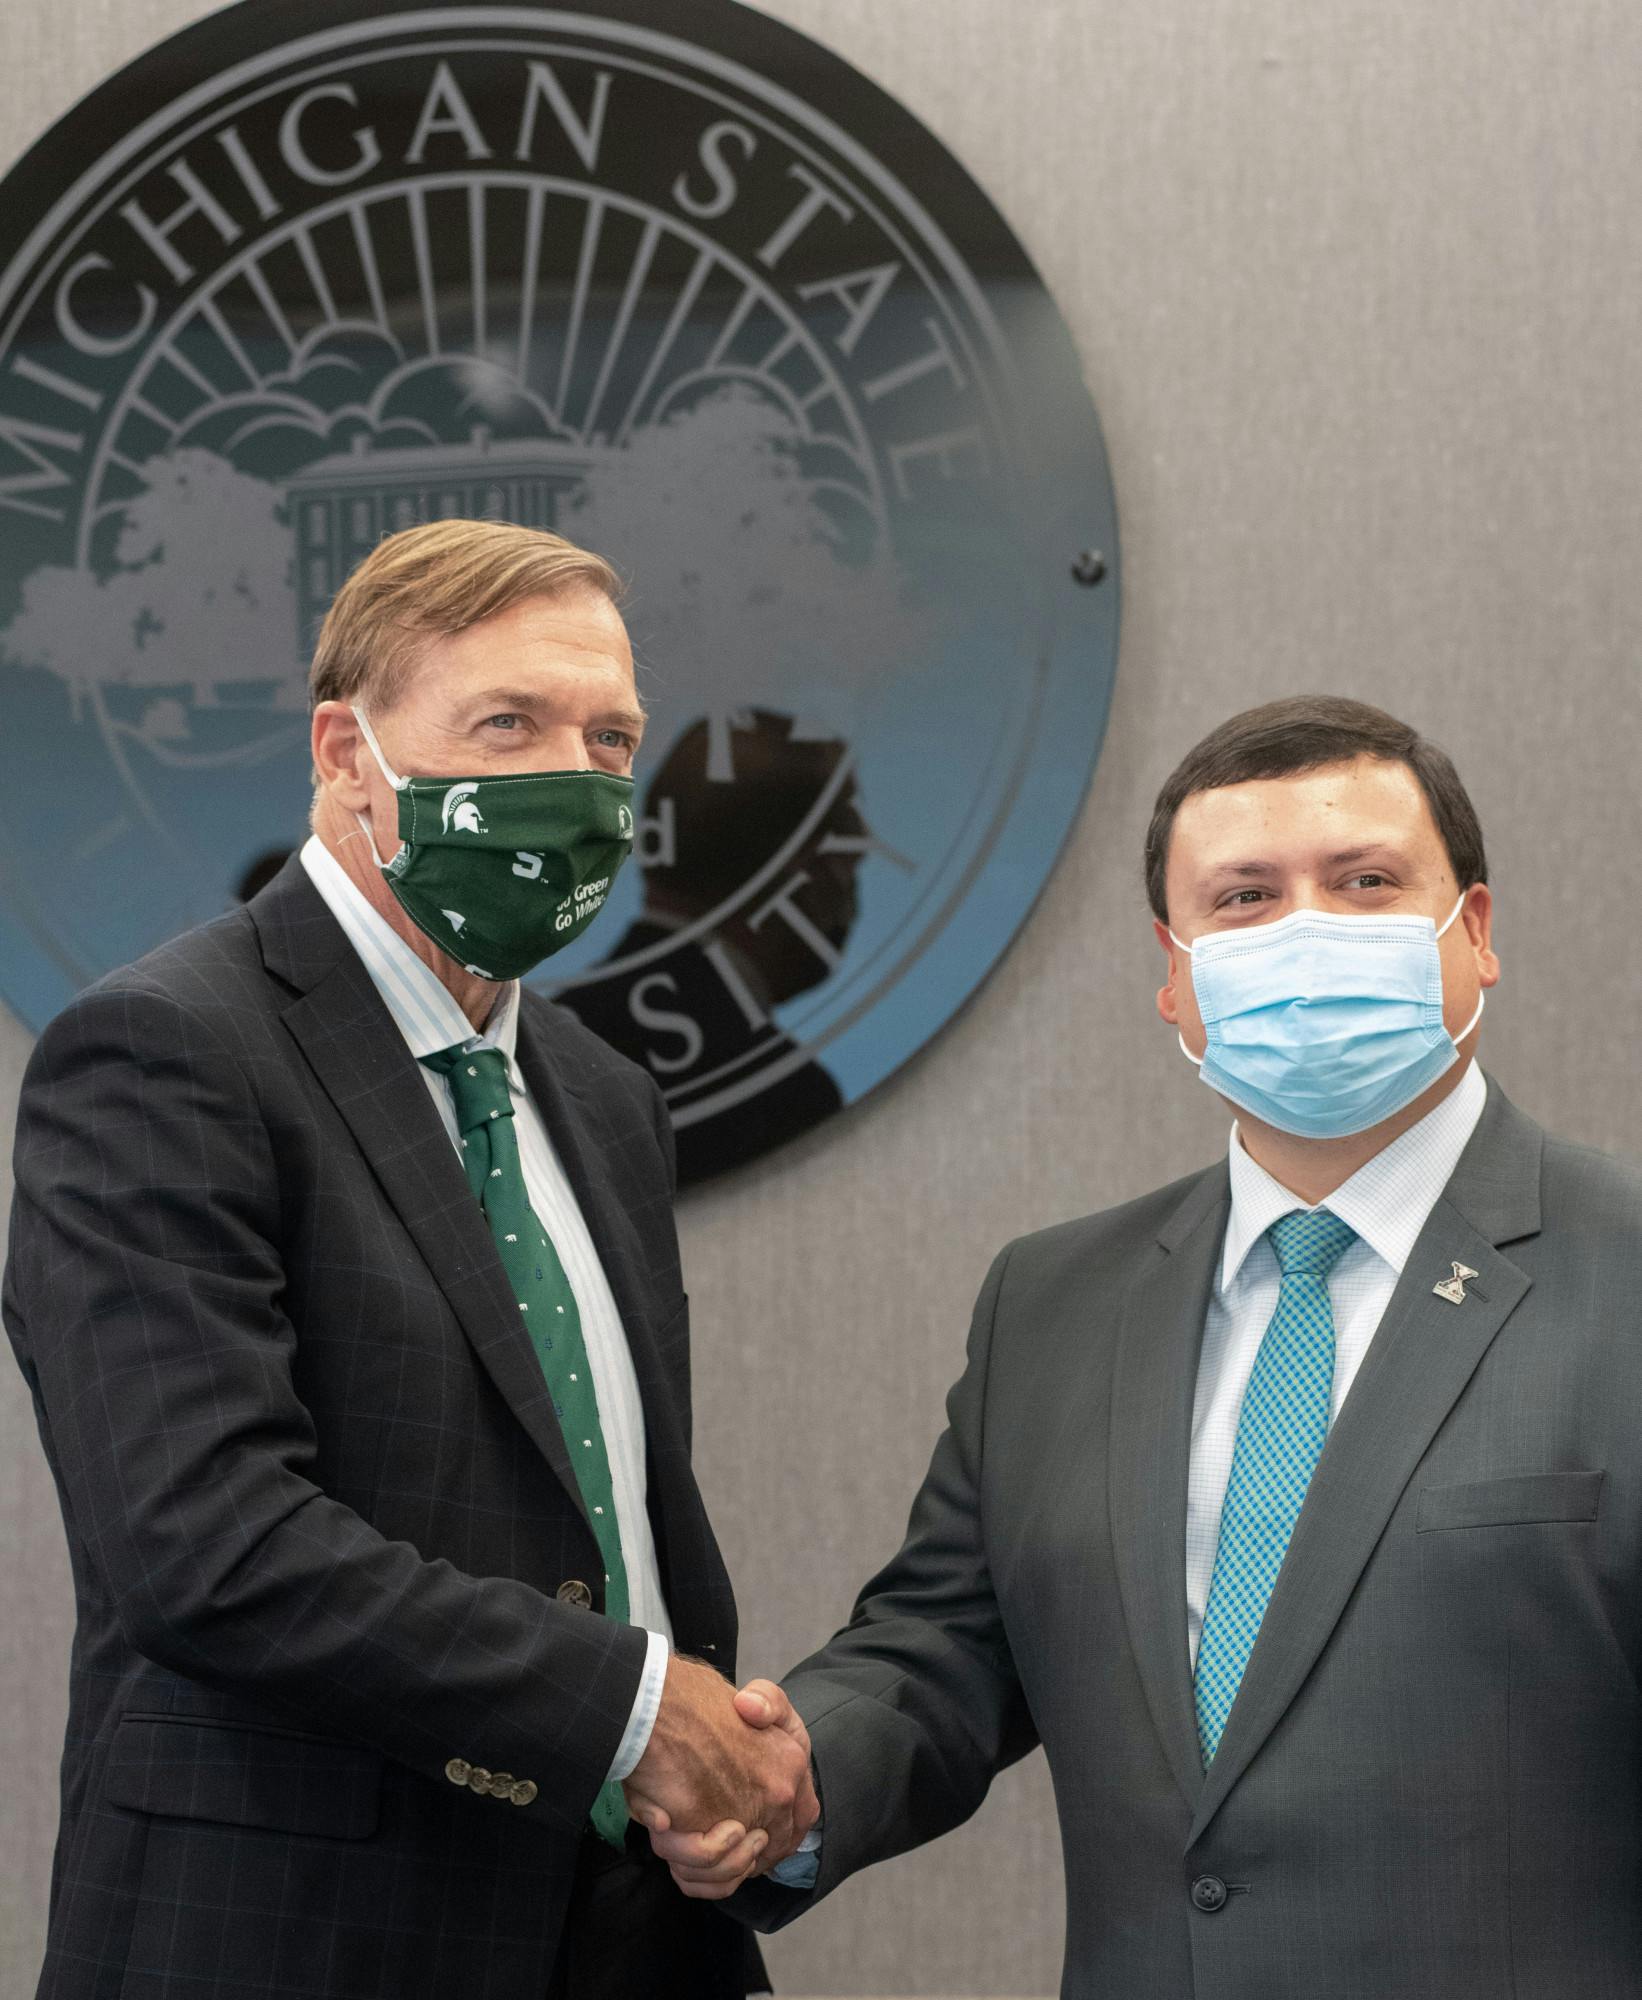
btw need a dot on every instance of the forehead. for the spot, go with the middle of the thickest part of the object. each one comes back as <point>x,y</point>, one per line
<point>574,637</point>
<point>1333,807</point>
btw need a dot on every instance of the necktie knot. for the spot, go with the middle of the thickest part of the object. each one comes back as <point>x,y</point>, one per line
<point>478,1082</point>
<point>1310,1245</point>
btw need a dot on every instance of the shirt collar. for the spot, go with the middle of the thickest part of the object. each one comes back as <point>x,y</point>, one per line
<point>423,1008</point>
<point>1386,1201</point>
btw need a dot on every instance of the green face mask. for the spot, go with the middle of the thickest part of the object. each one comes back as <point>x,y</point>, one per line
<point>502,872</point>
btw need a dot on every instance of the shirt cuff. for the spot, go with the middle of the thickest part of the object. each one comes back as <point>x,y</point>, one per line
<point>646,1707</point>
<point>800,1869</point>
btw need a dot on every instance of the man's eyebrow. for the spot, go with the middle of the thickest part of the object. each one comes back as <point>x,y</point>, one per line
<point>1253,871</point>
<point>1240,871</point>
<point>500,698</point>
<point>495,700</point>
<point>1374,850</point>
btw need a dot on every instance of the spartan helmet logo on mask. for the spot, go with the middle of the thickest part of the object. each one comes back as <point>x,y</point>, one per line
<point>458,812</point>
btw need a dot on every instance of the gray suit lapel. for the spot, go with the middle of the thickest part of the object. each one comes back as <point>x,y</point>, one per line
<point>1422,1356</point>
<point>1149,1457</point>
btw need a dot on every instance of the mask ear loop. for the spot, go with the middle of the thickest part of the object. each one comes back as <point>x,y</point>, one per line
<point>1482,998</point>
<point>369,734</point>
<point>1448,922</point>
<point>387,771</point>
<point>1196,1062</point>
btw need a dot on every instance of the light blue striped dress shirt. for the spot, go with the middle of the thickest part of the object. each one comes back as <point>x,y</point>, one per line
<point>428,1017</point>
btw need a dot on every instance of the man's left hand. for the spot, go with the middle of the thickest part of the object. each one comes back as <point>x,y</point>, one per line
<point>712,1865</point>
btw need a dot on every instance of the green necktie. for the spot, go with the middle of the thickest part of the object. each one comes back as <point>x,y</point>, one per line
<point>490,1153</point>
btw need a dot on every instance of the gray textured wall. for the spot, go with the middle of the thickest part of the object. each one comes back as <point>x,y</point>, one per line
<point>1355,285</point>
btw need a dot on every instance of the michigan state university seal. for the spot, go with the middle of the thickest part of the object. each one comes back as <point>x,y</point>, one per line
<point>661,275</point>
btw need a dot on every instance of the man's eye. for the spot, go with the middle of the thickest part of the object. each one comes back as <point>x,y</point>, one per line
<point>1370,881</point>
<point>504,722</point>
<point>614,739</point>
<point>1242,898</point>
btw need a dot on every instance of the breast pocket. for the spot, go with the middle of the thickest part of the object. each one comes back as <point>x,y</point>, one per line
<point>1521,1500</point>
<point>673,1327</point>
<point>282,1782</point>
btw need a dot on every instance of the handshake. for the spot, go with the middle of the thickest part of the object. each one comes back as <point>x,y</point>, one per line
<point>724,1786</point>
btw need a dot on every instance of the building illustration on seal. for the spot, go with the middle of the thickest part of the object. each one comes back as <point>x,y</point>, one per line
<point>341,506</point>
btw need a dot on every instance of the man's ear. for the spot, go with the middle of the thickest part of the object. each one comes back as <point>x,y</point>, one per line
<point>1166,1004</point>
<point>1477,915</point>
<point>340,755</point>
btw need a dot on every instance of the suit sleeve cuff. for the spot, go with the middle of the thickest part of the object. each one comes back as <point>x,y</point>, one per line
<point>646,1707</point>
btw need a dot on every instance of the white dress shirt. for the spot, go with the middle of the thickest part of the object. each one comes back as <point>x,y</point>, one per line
<point>428,1017</point>
<point>1387,1201</point>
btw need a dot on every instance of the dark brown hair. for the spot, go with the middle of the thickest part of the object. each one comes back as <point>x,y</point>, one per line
<point>1303,733</point>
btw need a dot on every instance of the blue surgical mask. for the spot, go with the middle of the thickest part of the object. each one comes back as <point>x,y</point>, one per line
<point>1323,1024</point>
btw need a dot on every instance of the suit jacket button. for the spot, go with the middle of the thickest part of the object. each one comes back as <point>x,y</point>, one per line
<point>501,1784</point>
<point>575,1593</point>
<point>457,1770</point>
<point>1209,1893</point>
<point>478,1779</point>
<point>524,1790</point>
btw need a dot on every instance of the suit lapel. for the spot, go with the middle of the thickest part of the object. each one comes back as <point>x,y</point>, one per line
<point>1424,1352</point>
<point>350,1041</point>
<point>573,1125</point>
<point>1152,1396</point>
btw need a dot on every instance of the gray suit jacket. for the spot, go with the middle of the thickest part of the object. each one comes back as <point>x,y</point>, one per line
<point>1430,1787</point>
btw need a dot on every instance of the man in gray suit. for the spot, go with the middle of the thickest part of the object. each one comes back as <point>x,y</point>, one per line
<point>1296,1508</point>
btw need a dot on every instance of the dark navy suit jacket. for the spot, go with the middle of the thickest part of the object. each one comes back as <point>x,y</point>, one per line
<point>319,1511</point>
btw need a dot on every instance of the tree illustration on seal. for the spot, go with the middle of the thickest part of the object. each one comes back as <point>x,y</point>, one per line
<point>756,574</point>
<point>199,598</point>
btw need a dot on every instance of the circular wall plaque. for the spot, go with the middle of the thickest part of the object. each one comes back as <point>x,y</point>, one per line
<point>661,275</point>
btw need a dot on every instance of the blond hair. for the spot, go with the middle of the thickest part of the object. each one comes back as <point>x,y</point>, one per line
<point>431,582</point>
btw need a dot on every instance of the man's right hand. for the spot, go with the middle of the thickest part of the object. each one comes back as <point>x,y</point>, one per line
<point>705,1766</point>
<point>714,1864</point>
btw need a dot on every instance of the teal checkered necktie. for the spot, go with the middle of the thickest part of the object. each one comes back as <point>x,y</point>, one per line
<point>1280,1437</point>
<point>490,1153</point>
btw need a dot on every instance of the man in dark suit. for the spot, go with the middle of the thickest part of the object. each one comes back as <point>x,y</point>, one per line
<point>390,1597</point>
<point>1295,1508</point>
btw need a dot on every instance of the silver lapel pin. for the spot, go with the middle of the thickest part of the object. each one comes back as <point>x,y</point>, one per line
<point>1453,1289</point>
